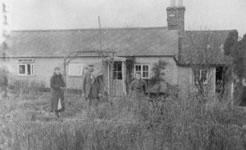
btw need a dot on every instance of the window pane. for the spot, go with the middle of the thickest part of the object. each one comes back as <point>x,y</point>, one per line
<point>117,70</point>
<point>119,67</point>
<point>200,76</point>
<point>32,69</point>
<point>138,68</point>
<point>114,68</point>
<point>119,76</point>
<point>145,74</point>
<point>196,76</point>
<point>145,68</point>
<point>204,75</point>
<point>29,72</point>
<point>22,69</point>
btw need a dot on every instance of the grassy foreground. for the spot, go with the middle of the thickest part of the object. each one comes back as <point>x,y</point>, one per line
<point>162,123</point>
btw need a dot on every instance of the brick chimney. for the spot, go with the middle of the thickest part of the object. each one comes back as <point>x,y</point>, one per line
<point>176,15</point>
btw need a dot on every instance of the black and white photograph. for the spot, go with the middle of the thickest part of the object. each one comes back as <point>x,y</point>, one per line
<point>122,74</point>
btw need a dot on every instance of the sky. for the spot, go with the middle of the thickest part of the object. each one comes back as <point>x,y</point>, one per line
<point>74,14</point>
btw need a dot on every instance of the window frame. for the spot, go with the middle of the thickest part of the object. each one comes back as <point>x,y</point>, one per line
<point>142,71</point>
<point>205,82</point>
<point>116,72</point>
<point>82,66</point>
<point>26,69</point>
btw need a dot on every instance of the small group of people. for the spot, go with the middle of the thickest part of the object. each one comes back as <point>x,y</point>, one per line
<point>92,89</point>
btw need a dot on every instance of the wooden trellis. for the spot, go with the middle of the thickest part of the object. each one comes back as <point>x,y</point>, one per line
<point>105,55</point>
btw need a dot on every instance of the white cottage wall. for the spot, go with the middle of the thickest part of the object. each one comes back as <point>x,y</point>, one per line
<point>171,70</point>
<point>43,69</point>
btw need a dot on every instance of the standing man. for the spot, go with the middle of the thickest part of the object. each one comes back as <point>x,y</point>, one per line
<point>91,90</point>
<point>57,85</point>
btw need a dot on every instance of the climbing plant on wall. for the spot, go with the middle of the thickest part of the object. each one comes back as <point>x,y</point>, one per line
<point>157,70</point>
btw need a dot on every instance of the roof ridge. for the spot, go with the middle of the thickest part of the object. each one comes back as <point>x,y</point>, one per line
<point>89,29</point>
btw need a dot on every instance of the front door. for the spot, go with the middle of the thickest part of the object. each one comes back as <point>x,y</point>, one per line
<point>118,79</point>
<point>220,81</point>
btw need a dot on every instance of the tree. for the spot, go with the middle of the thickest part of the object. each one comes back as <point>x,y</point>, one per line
<point>156,84</point>
<point>231,40</point>
<point>237,50</point>
<point>157,71</point>
<point>239,56</point>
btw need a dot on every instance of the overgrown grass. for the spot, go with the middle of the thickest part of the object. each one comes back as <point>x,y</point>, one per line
<point>170,123</point>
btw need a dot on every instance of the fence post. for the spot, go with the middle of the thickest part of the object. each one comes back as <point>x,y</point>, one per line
<point>65,74</point>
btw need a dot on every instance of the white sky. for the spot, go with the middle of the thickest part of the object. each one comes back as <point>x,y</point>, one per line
<point>67,14</point>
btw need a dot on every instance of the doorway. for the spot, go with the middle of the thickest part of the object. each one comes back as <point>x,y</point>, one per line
<point>220,80</point>
<point>118,79</point>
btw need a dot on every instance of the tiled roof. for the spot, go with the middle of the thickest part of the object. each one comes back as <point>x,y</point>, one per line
<point>124,41</point>
<point>204,47</point>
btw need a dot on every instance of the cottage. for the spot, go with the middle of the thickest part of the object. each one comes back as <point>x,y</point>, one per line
<point>118,53</point>
<point>202,54</point>
<point>34,54</point>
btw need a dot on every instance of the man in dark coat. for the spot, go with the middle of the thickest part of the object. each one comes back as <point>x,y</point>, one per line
<point>91,86</point>
<point>57,85</point>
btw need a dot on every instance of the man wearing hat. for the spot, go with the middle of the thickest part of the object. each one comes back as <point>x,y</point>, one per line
<point>57,85</point>
<point>91,86</point>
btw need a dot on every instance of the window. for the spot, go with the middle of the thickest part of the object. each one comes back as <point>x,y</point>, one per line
<point>25,66</point>
<point>201,76</point>
<point>26,69</point>
<point>117,71</point>
<point>75,69</point>
<point>142,69</point>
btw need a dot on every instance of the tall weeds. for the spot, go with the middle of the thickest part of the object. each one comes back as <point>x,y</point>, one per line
<point>167,123</point>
